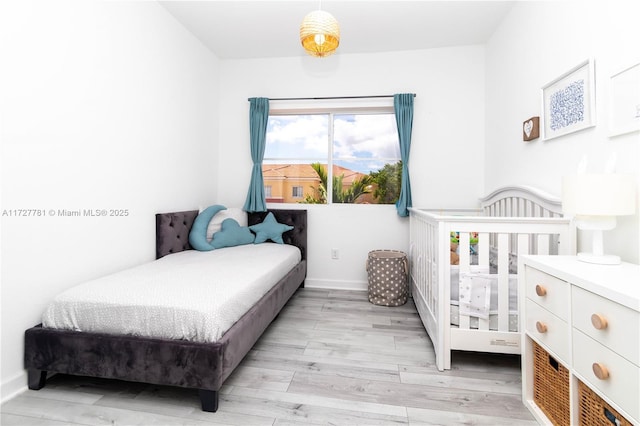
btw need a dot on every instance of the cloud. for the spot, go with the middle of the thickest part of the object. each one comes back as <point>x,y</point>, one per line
<point>373,137</point>
<point>297,136</point>
<point>375,134</point>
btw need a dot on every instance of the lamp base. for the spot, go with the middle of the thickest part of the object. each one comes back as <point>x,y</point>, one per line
<point>600,259</point>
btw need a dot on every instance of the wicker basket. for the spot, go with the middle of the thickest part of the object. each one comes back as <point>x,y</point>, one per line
<point>594,411</point>
<point>551,387</point>
<point>387,273</point>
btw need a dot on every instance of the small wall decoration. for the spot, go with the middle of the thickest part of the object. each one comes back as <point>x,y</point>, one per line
<point>568,102</point>
<point>531,129</point>
<point>624,108</point>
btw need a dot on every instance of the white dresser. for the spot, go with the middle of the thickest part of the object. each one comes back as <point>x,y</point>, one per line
<point>585,317</point>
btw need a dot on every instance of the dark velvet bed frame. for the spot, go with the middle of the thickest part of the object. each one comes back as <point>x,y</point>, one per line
<point>202,366</point>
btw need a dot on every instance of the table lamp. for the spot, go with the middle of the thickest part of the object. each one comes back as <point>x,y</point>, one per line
<point>595,200</point>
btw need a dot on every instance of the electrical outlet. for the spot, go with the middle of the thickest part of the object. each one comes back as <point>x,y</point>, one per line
<point>335,254</point>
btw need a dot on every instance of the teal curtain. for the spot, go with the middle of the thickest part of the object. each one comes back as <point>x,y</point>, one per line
<point>258,117</point>
<point>403,107</point>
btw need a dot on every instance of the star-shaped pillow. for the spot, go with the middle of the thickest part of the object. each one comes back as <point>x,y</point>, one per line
<point>231,234</point>
<point>270,229</point>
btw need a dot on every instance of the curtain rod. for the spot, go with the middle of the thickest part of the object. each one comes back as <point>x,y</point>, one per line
<point>331,97</point>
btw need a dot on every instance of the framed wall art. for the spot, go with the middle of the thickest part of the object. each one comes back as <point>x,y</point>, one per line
<point>624,101</point>
<point>568,102</point>
<point>531,129</point>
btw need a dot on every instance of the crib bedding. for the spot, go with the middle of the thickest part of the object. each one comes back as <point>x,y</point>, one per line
<point>192,295</point>
<point>492,294</point>
<point>480,291</point>
<point>479,288</point>
<point>484,302</point>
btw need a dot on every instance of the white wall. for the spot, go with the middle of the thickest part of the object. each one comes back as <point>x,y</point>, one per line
<point>536,43</point>
<point>104,105</point>
<point>446,153</point>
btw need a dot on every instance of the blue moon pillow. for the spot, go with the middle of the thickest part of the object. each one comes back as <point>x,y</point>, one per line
<point>232,234</point>
<point>198,233</point>
<point>270,229</point>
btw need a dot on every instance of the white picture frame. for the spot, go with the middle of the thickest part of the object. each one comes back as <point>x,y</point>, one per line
<point>568,102</point>
<point>624,101</point>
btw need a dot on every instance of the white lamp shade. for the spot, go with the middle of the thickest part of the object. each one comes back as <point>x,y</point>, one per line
<point>605,194</point>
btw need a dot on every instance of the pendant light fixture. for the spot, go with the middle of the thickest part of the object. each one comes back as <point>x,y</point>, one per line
<point>319,33</point>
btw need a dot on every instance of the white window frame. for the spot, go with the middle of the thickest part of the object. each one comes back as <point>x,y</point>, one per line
<point>332,107</point>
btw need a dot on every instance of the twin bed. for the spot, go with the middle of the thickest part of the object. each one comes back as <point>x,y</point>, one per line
<point>473,306</point>
<point>186,319</point>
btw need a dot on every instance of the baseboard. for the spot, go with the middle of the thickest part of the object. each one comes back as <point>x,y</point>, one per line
<point>336,284</point>
<point>12,387</point>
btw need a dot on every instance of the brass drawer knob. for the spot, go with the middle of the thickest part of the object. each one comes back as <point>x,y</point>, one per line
<point>599,322</point>
<point>541,327</point>
<point>600,371</point>
<point>541,290</point>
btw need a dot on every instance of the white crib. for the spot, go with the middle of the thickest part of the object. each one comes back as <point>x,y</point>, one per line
<point>510,222</point>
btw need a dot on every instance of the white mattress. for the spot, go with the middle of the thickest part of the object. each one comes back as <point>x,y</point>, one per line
<point>474,321</point>
<point>191,295</point>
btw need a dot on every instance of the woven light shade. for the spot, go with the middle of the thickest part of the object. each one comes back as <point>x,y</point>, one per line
<point>319,33</point>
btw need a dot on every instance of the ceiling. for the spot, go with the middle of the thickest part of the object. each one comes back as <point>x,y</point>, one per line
<point>238,29</point>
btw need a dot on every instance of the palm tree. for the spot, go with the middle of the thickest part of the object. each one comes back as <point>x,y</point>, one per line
<point>340,195</point>
<point>321,190</point>
<point>358,187</point>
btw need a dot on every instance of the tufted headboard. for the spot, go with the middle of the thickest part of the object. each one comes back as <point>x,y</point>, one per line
<point>172,232</point>
<point>172,229</point>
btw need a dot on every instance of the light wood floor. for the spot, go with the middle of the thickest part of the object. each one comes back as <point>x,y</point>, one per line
<point>331,357</point>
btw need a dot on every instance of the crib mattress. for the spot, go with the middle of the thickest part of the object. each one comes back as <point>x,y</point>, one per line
<point>474,321</point>
<point>191,295</point>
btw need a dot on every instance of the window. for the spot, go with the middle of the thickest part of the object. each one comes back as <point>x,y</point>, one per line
<point>296,192</point>
<point>334,157</point>
<point>267,191</point>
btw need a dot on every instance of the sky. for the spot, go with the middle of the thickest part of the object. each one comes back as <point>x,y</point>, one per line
<point>361,142</point>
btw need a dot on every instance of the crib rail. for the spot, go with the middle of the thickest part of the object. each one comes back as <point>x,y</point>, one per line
<point>430,271</point>
<point>521,201</point>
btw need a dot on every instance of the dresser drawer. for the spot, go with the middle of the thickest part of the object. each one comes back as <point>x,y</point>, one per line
<point>549,330</point>
<point>607,322</point>
<point>622,385</point>
<point>548,291</point>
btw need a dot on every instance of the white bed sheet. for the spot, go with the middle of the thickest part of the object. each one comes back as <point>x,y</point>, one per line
<point>191,295</point>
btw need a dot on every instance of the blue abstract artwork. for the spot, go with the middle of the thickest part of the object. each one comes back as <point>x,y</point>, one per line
<point>568,102</point>
<point>567,106</point>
